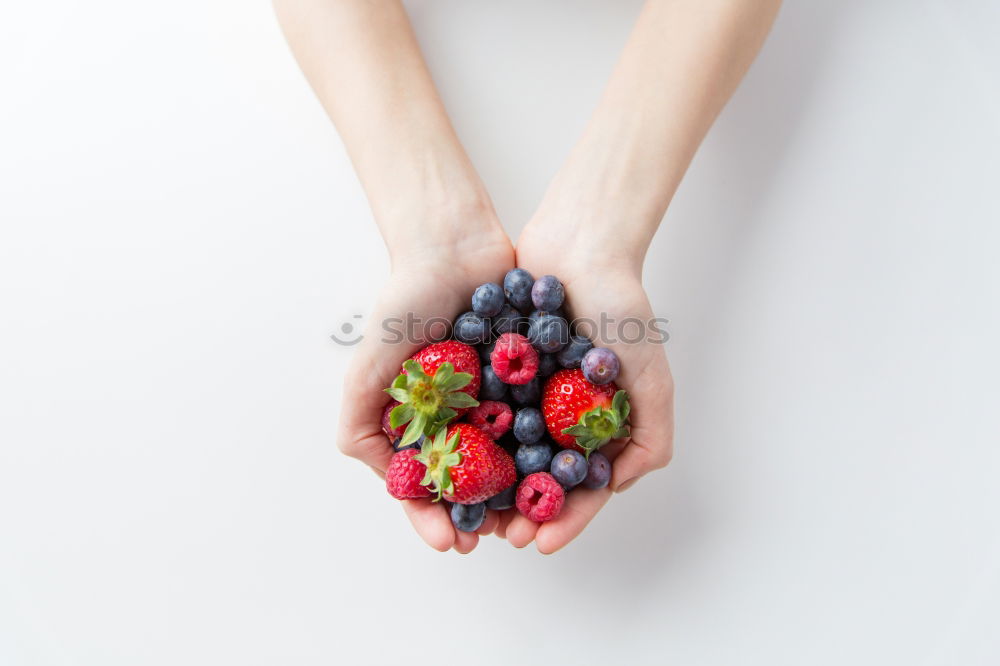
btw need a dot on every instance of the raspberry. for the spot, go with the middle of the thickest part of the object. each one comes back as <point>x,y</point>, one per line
<point>390,432</point>
<point>493,418</point>
<point>404,475</point>
<point>514,360</point>
<point>540,497</point>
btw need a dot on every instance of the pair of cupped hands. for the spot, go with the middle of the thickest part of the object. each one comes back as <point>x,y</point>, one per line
<point>433,276</point>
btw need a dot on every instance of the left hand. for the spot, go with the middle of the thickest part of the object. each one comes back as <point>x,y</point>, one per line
<point>601,281</point>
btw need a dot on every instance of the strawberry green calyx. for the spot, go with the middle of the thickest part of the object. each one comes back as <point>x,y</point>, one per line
<point>439,456</point>
<point>600,425</point>
<point>427,403</point>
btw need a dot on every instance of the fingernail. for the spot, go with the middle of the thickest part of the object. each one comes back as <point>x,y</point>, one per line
<point>626,485</point>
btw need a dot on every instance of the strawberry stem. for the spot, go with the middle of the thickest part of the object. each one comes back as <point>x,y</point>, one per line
<point>600,425</point>
<point>427,403</point>
<point>439,456</point>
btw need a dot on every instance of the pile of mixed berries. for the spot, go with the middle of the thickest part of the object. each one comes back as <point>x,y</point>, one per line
<point>509,413</point>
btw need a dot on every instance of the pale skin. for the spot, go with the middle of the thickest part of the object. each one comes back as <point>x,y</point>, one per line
<point>680,65</point>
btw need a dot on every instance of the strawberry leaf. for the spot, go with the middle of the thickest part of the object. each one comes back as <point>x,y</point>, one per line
<point>460,400</point>
<point>415,371</point>
<point>444,372</point>
<point>398,394</point>
<point>414,430</point>
<point>400,414</point>
<point>452,382</point>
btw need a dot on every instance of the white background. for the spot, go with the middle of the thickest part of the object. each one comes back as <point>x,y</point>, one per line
<point>181,231</point>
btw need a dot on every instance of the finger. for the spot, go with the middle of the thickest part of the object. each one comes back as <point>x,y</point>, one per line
<point>465,542</point>
<point>638,459</point>
<point>372,449</point>
<point>580,508</point>
<point>505,518</point>
<point>431,522</point>
<point>521,531</point>
<point>372,368</point>
<point>489,523</point>
<point>652,431</point>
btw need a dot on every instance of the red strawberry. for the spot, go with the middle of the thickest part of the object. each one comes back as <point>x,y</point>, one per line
<point>581,415</point>
<point>465,466</point>
<point>492,417</point>
<point>404,475</point>
<point>438,383</point>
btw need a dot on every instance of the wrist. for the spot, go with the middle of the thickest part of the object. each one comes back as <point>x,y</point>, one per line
<point>594,228</point>
<point>451,230</point>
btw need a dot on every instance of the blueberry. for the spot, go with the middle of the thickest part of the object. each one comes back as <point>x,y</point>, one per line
<point>491,387</point>
<point>548,332</point>
<point>487,299</point>
<point>598,471</point>
<point>527,394</point>
<point>415,445</point>
<point>531,458</point>
<point>571,355</point>
<point>547,293</point>
<point>529,426</point>
<point>503,500</point>
<point>485,350</point>
<point>547,364</point>
<point>517,288</point>
<point>508,320</point>
<point>472,329</point>
<point>536,314</point>
<point>468,517</point>
<point>600,366</point>
<point>569,467</point>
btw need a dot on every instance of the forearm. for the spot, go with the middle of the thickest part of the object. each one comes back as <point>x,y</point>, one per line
<point>364,64</point>
<point>680,66</point>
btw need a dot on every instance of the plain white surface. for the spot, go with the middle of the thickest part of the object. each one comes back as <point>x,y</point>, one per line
<point>181,231</point>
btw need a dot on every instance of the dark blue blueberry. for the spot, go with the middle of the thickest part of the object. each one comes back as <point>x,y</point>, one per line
<point>527,394</point>
<point>571,355</point>
<point>547,364</point>
<point>529,426</point>
<point>487,299</point>
<point>535,314</point>
<point>491,387</point>
<point>531,458</point>
<point>569,467</point>
<point>508,321</point>
<point>598,471</point>
<point>547,293</point>
<point>517,288</point>
<point>415,445</point>
<point>502,500</point>
<point>548,332</point>
<point>600,366</point>
<point>485,350</point>
<point>472,329</point>
<point>468,517</point>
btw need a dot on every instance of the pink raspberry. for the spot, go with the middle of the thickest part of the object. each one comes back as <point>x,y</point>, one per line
<point>513,359</point>
<point>492,417</point>
<point>540,497</point>
<point>392,434</point>
<point>404,475</point>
